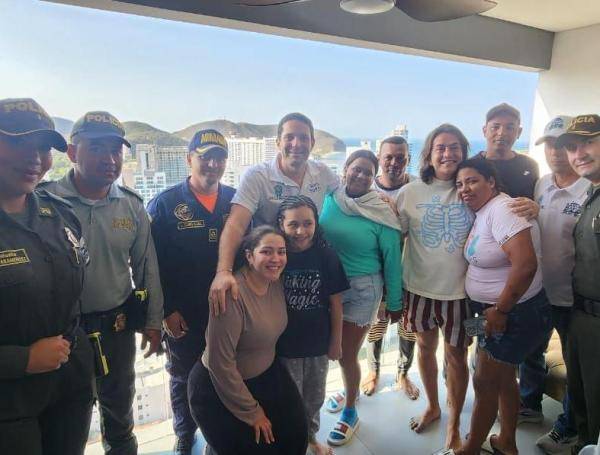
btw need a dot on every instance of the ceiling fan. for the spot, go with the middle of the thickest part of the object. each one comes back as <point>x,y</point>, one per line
<point>422,10</point>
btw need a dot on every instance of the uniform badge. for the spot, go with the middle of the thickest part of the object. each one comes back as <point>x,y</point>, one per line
<point>81,254</point>
<point>314,187</point>
<point>120,322</point>
<point>212,235</point>
<point>45,211</point>
<point>183,212</point>
<point>278,190</point>
<point>13,257</point>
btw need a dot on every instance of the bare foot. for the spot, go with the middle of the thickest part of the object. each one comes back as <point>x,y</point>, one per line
<point>418,424</point>
<point>503,447</point>
<point>369,385</point>
<point>320,449</point>
<point>453,440</point>
<point>409,387</point>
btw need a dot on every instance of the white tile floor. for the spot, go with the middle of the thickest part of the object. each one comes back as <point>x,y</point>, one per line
<point>384,423</point>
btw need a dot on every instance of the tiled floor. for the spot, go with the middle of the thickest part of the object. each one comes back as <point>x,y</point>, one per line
<point>384,424</point>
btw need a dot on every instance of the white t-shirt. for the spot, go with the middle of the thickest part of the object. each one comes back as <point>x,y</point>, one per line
<point>393,194</point>
<point>437,224</point>
<point>489,266</point>
<point>264,186</point>
<point>559,211</point>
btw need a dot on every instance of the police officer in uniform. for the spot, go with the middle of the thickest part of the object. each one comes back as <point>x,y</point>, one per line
<point>582,141</point>
<point>187,221</point>
<point>46,363</point>
<point>117,231</point>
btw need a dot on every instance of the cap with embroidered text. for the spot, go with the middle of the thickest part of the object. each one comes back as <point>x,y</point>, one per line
<point>24,116</point>
<point>582,126</point>
<point>99,124</point>
<point>210,140</point>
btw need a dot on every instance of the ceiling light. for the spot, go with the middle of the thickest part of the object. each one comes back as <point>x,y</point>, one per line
<point>367,6</point>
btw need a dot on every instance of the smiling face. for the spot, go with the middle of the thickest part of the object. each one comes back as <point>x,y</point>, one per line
<point>393,159</point>
<point>24,160</point>
<point>501,132</point>
<point>446,154</point>
<point>268,258</point>
<point>474,189</point>
<point>584,157</point>
<point>98,162</point>
<point>359,177</point>
<point>295,143</point>
<point>299,226</point>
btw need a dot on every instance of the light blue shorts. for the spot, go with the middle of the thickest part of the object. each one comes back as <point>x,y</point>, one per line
<point>362,300</point>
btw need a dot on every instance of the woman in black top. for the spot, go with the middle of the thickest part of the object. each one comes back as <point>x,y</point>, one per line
<point>46,363</point>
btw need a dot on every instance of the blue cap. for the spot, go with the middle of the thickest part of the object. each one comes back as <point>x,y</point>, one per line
<point>205,141</point>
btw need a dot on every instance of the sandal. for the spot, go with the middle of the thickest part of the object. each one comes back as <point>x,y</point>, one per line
<point>489,448</point>
<point>342,432</point>
<point>336,402</point>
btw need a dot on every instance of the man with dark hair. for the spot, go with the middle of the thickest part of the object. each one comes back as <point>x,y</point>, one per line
<point>262,189</point>
<point>393,159</point>
<point>582,142</point>
<point>117,231</point>
<point>187,221</point>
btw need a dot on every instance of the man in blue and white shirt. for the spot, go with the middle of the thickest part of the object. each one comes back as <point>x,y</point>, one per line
<point>559,195</point>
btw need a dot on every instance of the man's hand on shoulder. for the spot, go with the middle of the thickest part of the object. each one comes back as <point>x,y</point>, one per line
<point>525,207</point>
<point>224,282</point>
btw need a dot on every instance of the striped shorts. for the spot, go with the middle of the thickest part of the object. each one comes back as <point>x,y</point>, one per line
<point>422,314</point>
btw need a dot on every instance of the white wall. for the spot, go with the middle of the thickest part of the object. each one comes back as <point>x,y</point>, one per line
<point>572,84</point>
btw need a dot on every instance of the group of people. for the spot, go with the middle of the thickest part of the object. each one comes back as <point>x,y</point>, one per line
<point>255,290</point>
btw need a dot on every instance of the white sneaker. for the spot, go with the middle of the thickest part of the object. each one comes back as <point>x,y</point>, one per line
<point>554,443</point>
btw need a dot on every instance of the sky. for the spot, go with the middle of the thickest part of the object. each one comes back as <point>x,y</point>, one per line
<point>173,74</point>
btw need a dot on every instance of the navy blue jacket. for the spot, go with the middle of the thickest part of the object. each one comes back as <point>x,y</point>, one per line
<point>186,236</point>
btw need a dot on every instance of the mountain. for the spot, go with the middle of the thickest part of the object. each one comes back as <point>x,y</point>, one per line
<point>142,133</point>
<point>324,142</point>
<point>63,126</point>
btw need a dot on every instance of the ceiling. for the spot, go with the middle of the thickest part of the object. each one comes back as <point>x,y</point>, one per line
<point>551,15</point>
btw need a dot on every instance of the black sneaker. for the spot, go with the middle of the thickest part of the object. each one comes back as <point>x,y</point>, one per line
<point>183,446</point>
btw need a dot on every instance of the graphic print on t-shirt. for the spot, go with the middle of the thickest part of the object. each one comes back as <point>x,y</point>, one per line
<point>302,289</point>
<point>444,223</point>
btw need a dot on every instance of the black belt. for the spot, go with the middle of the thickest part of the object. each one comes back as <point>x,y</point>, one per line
<point>588,306</point>
<point>113,320</point>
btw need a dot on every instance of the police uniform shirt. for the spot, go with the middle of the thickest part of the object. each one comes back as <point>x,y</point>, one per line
<point>186,236</point>
<point>559,210</point>
<point>42,264</point>
<point>586,274</point>
<point>117,232</point>
<point>264,186</point>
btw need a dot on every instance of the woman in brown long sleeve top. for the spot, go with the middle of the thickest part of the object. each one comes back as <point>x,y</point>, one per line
<point>241,397</point>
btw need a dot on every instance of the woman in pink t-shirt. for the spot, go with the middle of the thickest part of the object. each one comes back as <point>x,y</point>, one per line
<point>504,284</point>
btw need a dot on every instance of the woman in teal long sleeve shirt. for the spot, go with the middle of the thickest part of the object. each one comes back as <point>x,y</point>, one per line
<point>357,224</point>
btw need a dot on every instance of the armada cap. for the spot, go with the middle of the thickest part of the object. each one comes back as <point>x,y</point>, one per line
<point>99,124</point>
<point>581,126</point>
<point>503,109</point>
<point>554,128</point>
<point>24,116</point>
<point>205,141</point>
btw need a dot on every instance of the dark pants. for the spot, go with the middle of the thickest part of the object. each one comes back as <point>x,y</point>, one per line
<point>532,373</point>
<point>182,355</point>
<point>583,370</point>
<point>405,354</point>
<point>64,399</point>
<point>116,391</point>
<point>227,435</point>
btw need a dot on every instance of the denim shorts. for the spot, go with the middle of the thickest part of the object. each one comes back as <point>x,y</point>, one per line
<point>362,300</point>
<point>527,326</point>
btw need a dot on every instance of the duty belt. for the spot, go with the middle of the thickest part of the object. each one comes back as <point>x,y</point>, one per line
<point>588,306</point>
<point>113,320</point>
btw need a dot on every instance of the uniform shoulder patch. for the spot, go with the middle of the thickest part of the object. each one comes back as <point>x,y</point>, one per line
<point>45,194</point>
<point>132,192</point>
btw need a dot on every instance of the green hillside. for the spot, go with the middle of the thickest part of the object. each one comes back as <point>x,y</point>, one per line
<point>142,133</point>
